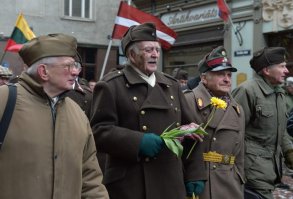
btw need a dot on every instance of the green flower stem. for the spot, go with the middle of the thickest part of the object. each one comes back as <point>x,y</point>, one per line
<point>204,128</point>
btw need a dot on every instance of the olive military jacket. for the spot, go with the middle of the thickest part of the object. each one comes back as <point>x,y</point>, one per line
<point>125,107</point>
<point>265,131</point>
<point>40,159</point>
<point>225,137</point>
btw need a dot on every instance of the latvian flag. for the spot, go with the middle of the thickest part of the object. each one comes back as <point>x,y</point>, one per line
<point>128,16</point>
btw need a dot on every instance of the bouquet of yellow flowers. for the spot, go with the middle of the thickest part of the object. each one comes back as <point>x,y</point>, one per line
<point>173,137</point>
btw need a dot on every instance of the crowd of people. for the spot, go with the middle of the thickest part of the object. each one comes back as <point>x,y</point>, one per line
<point>64,138</point>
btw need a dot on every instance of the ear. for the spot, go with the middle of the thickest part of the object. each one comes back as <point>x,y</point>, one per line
<point>266,71</point>
<point>203,78</point>
<point>131,56</point>
<point>43,72</point>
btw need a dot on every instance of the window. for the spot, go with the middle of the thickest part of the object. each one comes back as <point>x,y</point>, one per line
<point>78,8</point>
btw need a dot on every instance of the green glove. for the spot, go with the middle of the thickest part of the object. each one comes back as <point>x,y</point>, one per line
<point>150,145</point>
<point>195,187</point>
<point>289,158</point>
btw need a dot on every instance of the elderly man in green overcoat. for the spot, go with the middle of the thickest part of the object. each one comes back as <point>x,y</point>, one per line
<point>266,139</point>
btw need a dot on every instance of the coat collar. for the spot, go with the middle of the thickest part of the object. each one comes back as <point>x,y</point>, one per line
<point>203,98</point>
<point>34,87</point>
<point>266,87</point>
<point>133,77</point>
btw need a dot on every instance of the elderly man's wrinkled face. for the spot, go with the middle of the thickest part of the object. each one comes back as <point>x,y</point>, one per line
<point>61,75</point>
<point>276,74</point>
<point>218,82</point>
<point>145,56</point>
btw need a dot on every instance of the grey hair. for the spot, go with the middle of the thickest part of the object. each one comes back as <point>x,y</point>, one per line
<point>32,70</point>
<point>133,47</point>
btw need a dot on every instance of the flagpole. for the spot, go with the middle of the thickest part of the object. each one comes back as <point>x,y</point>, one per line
<point>106,58</point>
<point>2,57</point>
<point>235,31</point>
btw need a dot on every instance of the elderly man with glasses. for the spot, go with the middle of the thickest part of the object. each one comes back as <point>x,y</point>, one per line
<point>49,149</point>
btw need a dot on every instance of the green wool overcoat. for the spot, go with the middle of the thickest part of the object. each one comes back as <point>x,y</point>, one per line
<point>266,138</point>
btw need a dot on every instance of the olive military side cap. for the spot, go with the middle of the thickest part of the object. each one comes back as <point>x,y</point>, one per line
<point>267,57</point>
<point>143,32</point>
<point>216,60</point>
<point>52,45</point>
<point>5,72</point>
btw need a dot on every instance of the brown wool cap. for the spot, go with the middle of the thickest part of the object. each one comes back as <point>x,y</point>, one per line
<point>52,45</point>
<point>143,32</point>
<point>267,57</point>
<point>216,60</point>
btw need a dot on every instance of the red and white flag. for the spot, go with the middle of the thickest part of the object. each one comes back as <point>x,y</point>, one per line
<point>224,11</point>
<point>128,16</point>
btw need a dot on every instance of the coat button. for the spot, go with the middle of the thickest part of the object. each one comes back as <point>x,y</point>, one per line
<point>177,124</point>
<point>214,138</point>
<point>127,85</point>
<point>144,128</point>
<point>214,167</point>
<point>176,109</point>
<point>172,97</point>
<point>134,98</point>
<point>142,112</point>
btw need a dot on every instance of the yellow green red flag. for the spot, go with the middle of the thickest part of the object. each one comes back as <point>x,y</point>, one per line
<point>20,35</point>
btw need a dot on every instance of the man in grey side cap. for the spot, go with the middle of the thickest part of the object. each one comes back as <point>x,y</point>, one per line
<point>131,108</point>
<point>48,150</point>
<point>267,142</point>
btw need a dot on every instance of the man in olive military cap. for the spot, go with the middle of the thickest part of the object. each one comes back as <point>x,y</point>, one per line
<point>266,139</point>
<point>5,75</point>
<point>223,147</point>
<point>131,108</point>
<point>48,150</point>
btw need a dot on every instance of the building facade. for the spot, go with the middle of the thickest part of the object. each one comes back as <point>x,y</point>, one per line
<point>256,24</point>
<point>90,21</point>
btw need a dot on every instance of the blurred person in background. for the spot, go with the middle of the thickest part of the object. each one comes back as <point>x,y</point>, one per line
<point>5,75</point>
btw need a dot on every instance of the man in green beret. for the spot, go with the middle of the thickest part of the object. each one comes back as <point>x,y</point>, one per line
<point>266,139</point>
<point>131,109</point>
<point>5,75</point>
<point>48,150</point>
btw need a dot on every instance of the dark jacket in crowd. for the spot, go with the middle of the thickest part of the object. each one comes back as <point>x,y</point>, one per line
<point>125,107</point>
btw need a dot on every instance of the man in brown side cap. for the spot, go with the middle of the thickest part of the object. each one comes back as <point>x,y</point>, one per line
<point>49,149</point>
<point>131,108</point>
<point>266,139</point>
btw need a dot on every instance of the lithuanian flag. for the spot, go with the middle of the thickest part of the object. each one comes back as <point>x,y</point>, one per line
<point>20,35</point>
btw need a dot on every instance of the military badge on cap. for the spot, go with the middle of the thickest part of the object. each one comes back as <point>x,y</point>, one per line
<point>216,60</point>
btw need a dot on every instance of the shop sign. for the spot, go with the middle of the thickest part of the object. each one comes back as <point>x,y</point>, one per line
<point>239,53</point>
<point>193,16</point>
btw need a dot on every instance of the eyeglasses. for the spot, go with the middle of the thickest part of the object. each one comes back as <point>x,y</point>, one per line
<point>70,66</point>
<point>151,49</point>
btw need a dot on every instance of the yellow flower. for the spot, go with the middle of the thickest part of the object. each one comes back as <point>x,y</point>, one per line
<point>218,103</point>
